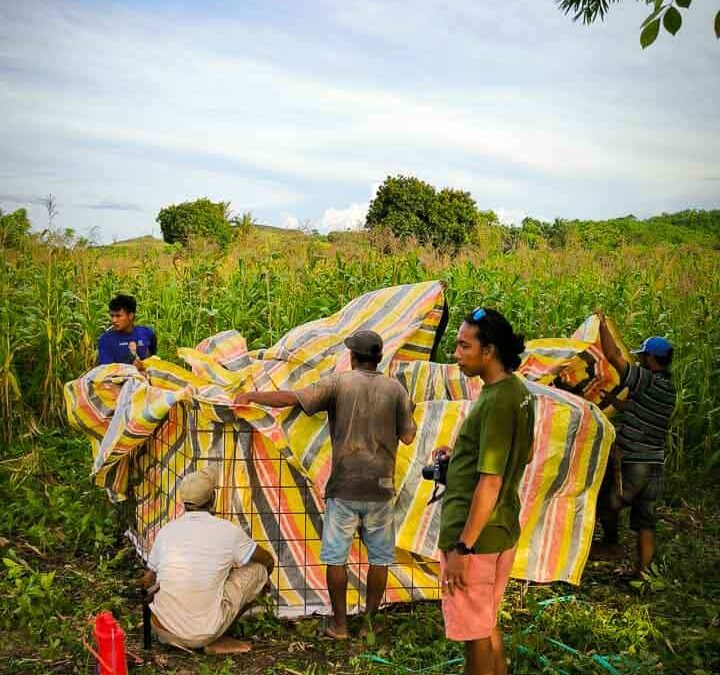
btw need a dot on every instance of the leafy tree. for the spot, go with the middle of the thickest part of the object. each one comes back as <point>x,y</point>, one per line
<point>403,204</point>
<point>410,207</point>
<point>454,218</point>
<point>666,12</point>
<point>14,228</point>
<point>202,219</point>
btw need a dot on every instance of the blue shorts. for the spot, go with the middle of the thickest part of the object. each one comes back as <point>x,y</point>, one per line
<point>377,530</point>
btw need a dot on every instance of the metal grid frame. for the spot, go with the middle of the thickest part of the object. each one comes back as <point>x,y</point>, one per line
<point>164,459</point>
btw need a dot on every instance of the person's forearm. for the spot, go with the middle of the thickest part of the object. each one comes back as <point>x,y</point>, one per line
<point>274,399</point>
<point>260,555</point>
<point>610,349</point>
<point>483,502</point>
<point>409,436</point>
<point>147,580</point>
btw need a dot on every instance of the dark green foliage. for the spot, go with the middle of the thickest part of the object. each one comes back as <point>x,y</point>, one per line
<point>665,12</point>
<point>14,228</point>
<point>403,204</point>
<point>685,227</point>
<point>587,10</point>
<point>649,33</point>
<point>410,207</point>
<point>53,519</point>
<point>201,219</point>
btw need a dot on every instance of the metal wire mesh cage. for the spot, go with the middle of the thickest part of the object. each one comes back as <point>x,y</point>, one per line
<point>266,494</point>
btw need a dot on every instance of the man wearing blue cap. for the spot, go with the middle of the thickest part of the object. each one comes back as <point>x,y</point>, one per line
<point>641,431</point>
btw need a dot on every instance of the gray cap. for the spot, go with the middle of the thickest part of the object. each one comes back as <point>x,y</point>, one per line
<point>365,343</point>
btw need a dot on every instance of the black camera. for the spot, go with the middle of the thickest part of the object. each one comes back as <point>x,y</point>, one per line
<point>437,471</point>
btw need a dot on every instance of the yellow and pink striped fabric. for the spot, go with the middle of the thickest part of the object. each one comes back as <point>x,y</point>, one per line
<point>272,465</point>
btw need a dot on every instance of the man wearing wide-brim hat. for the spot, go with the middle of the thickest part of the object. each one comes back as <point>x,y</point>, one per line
<point>368,414</point>
<point>208,571</point>
<point>641,431</point>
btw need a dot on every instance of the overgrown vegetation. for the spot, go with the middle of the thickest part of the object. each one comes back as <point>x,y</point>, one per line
<point>63,560</point>
<point>55,292</point>
<point>60,540</point>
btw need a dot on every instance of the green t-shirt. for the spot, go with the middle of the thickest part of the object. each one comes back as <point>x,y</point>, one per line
<point>496,438</point>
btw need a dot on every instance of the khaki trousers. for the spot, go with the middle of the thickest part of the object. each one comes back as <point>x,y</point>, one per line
<point>242,586</point>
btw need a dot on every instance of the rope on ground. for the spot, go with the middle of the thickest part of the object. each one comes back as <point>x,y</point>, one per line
<point>601,660</point>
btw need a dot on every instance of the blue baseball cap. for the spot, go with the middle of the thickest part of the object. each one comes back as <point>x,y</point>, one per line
<point>656,346</point>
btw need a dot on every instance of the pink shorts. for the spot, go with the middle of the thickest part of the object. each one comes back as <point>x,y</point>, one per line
<point>471,613</point>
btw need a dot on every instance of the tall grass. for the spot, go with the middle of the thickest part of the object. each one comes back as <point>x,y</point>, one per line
<point>53,306</point>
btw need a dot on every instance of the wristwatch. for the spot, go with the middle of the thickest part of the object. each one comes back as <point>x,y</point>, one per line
<point>461,548</point>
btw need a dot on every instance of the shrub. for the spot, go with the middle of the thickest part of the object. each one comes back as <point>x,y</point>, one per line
<point>200,219</point>
<point>409,207</point>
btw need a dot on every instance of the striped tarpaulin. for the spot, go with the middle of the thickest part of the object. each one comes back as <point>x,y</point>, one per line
<point>272,465</point>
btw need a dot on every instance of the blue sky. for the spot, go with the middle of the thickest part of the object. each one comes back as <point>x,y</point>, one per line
<point>297,111</point>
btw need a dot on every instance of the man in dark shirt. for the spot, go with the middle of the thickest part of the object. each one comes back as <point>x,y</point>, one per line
<point>641,430</point>
<point>125,342</point>
<point>368,414</point>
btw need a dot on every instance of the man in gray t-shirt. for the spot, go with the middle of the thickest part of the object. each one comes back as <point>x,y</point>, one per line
<point>641,430</point>
<point>368,414</point>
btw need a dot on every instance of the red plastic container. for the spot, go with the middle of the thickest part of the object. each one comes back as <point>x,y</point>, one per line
<point>110,641</point>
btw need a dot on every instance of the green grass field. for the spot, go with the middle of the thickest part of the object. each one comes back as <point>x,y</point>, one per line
<point>63,554</point>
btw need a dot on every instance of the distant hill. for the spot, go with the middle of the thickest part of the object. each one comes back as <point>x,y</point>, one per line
<point>686,227</point>
<point>147,240</point>
<point>277,230</point>
<point>692,226</point>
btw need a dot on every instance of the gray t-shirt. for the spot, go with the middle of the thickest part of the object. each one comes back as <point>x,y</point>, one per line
<point>367,413</point>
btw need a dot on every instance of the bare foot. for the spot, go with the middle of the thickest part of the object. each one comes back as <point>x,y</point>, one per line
<point>228,645</point>
<point>374,625</point>
<point>334,633</point>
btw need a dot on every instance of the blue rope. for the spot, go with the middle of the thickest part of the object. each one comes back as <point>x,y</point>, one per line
<point>601,660</point>
<point>385,662</point>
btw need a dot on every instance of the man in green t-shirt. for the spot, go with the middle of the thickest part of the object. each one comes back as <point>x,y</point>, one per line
<point>480,525</point>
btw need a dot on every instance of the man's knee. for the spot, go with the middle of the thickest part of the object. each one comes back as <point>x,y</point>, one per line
<point>245,583</point>
<point>643,517</point>
<point>257,576</point>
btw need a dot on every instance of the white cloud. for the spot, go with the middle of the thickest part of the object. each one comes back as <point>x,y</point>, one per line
<point>510,216</point>
<point>350,218</point>
<point>132,106</point>
<point>290,221</point>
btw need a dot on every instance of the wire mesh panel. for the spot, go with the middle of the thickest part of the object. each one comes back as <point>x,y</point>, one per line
<point>267,495</point>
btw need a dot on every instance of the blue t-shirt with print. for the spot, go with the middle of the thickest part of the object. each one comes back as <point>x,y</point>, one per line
<point>114,346</point>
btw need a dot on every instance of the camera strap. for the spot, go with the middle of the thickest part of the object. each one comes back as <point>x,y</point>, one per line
<point>435,496</point>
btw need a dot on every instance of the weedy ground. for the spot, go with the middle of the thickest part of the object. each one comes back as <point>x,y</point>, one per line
<point>64,559</point>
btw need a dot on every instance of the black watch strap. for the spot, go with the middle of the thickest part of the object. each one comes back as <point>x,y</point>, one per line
<point>462,549</point>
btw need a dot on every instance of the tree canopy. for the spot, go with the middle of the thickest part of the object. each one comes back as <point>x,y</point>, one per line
<point>666,12</point>
<point>202,219</point>
<point>410,207</point>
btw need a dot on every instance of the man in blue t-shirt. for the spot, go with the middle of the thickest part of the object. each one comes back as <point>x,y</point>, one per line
<point>125,342</point>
